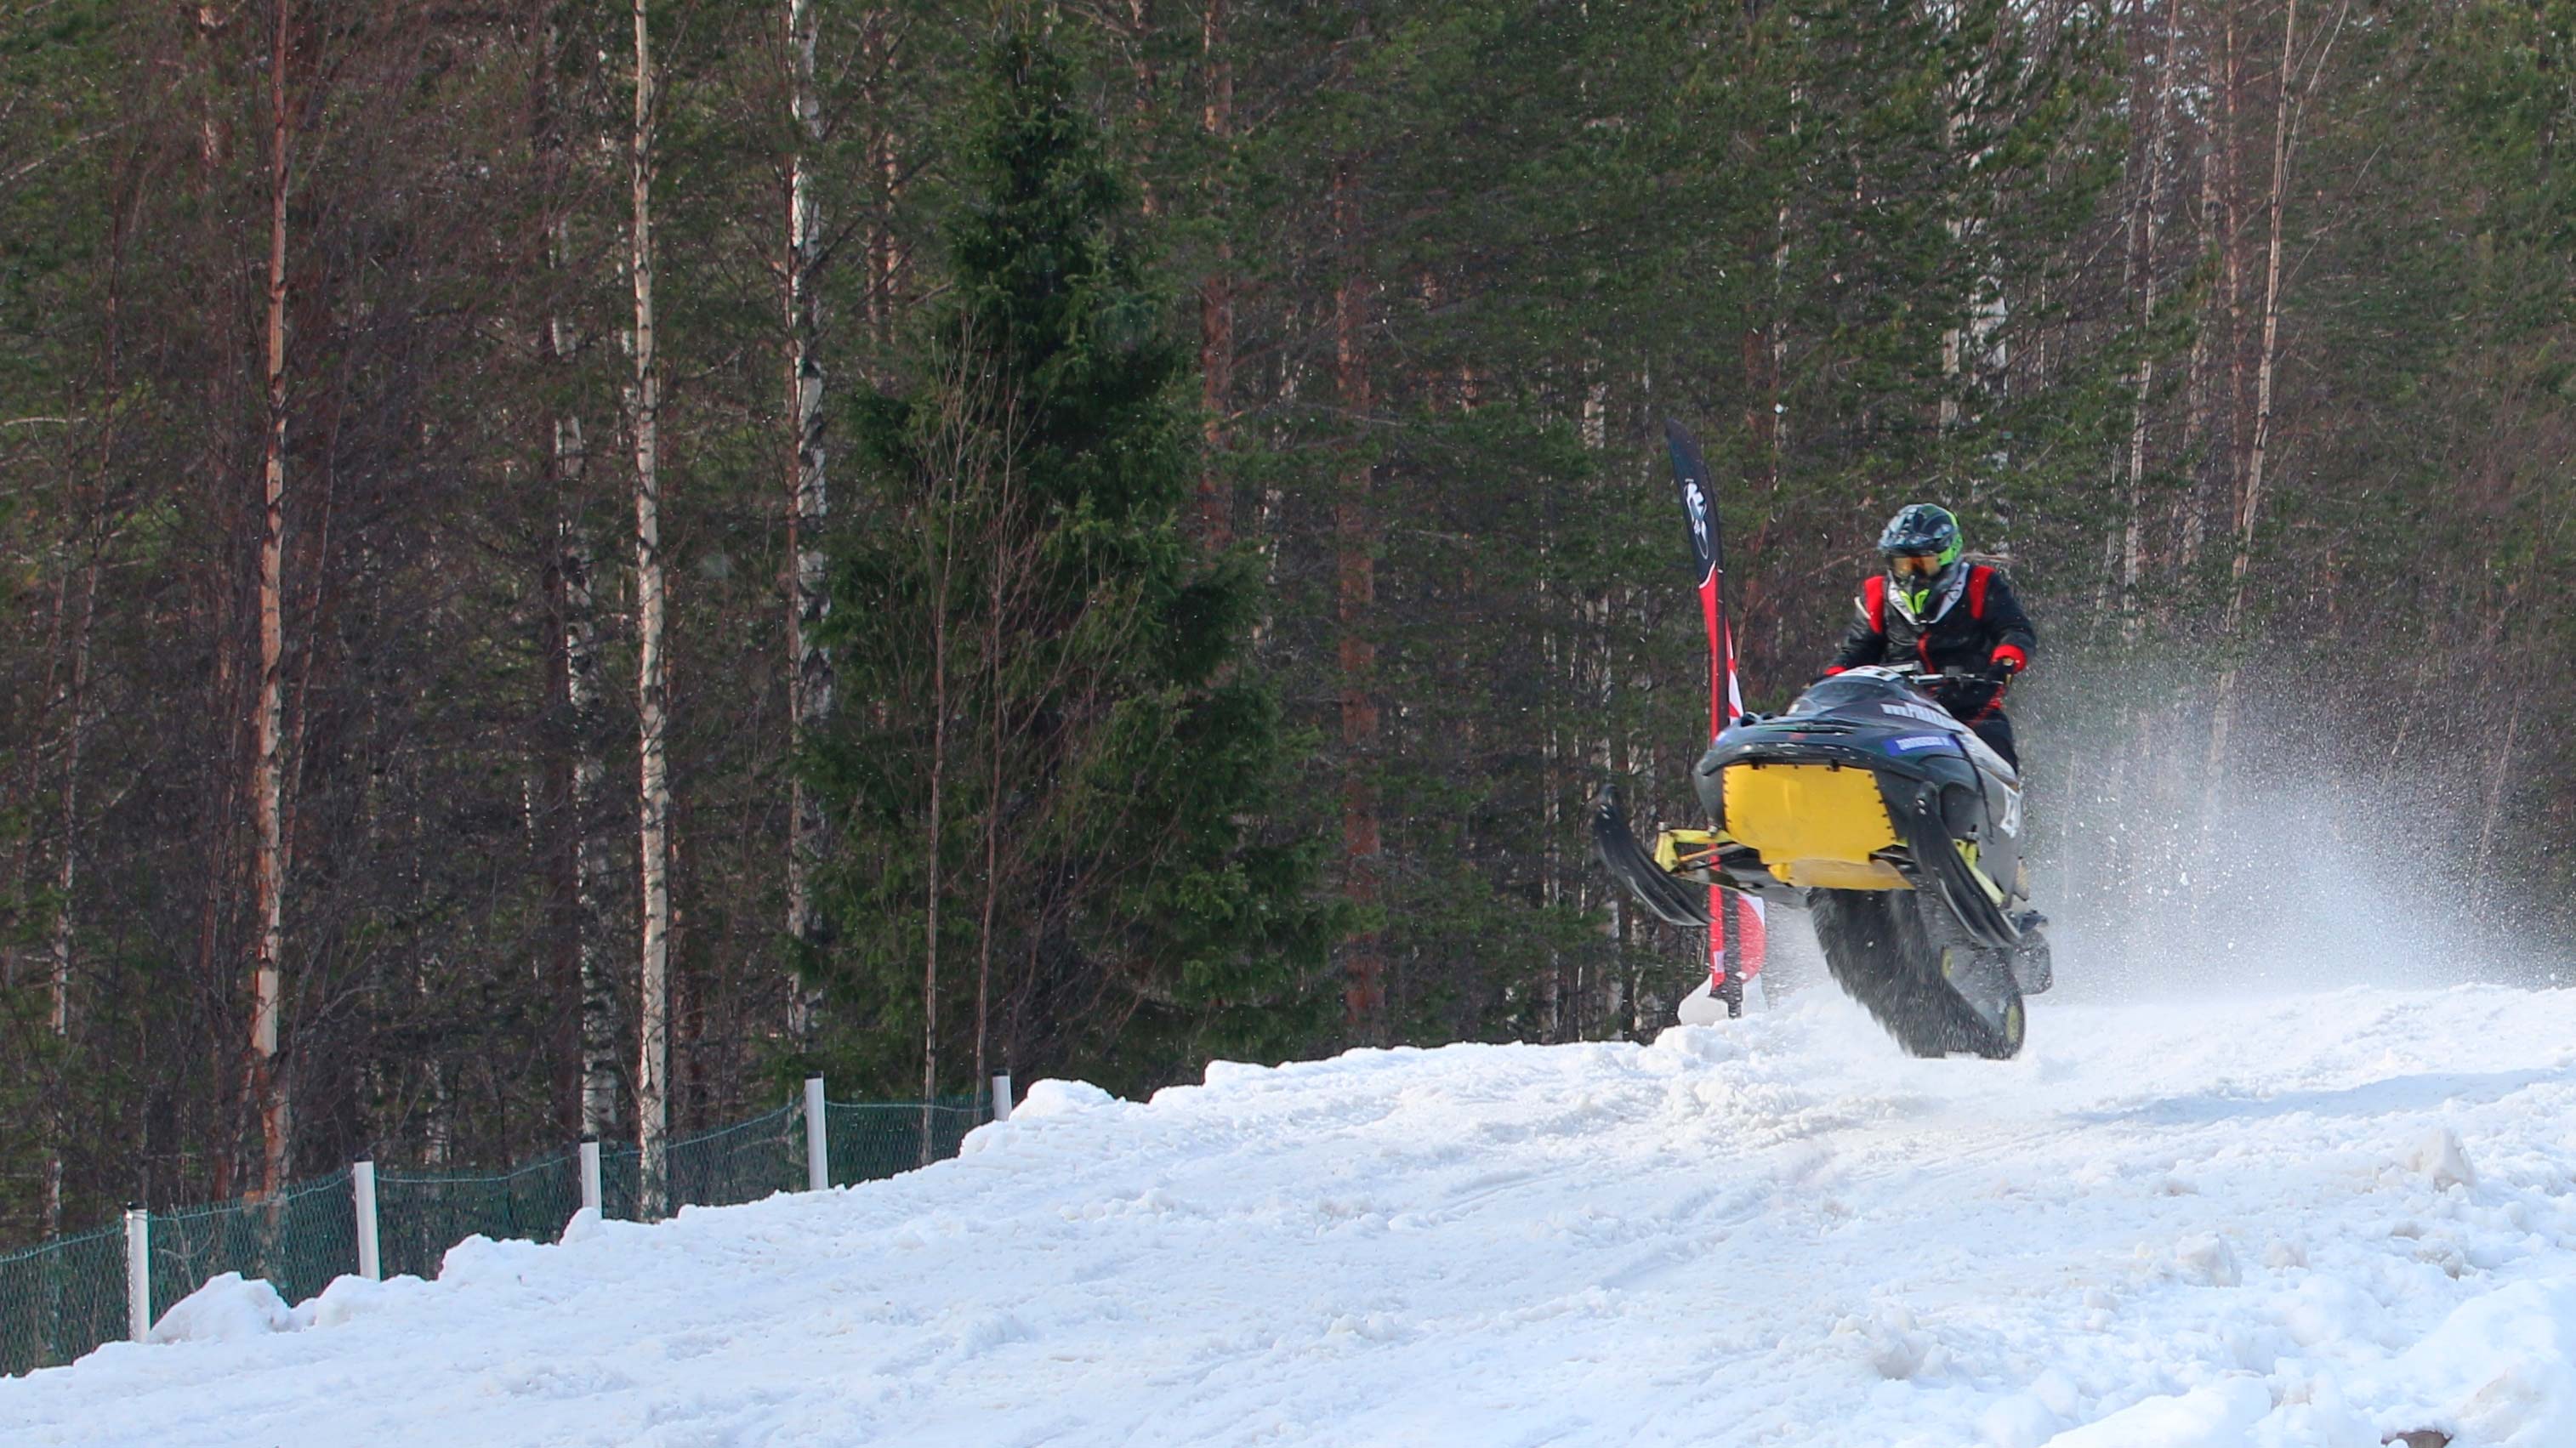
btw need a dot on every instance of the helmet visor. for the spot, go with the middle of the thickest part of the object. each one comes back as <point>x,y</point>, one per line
<point>1914,565</point>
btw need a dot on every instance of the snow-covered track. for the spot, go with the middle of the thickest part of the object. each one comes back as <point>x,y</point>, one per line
<point>2306,1220</point>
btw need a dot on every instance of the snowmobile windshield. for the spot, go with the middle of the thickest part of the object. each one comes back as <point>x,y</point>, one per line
<point>1845,690</point>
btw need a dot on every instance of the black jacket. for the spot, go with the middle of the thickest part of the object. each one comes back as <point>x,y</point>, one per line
<point>1969,628</point>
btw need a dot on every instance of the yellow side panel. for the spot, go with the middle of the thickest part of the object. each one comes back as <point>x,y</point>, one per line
<point>1814,824</point>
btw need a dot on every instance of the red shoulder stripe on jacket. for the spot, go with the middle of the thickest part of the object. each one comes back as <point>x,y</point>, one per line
<point>1873,593</point>
<point>1978,577</point>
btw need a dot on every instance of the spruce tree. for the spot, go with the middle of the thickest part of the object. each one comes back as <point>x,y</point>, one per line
<point>1055,766</point>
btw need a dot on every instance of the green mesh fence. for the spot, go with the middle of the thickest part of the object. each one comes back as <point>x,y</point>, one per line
<point>743,1163</point>
<point>420,1215</point>
<point>297,1240</point>
<point>870,1139</point>
<point>62,1299</point>
<point>621,1182</point>
<point>720,1168</point>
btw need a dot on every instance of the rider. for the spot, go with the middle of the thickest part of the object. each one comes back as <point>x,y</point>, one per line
<point>1946,614</point>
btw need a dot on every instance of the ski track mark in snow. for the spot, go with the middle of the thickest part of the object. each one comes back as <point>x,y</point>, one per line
<point>2237,1224</point>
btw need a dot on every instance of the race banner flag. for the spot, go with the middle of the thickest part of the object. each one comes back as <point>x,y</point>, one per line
<point>1734,955</point>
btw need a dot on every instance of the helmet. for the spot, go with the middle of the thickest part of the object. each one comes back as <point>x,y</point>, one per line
<point>1922,547</point>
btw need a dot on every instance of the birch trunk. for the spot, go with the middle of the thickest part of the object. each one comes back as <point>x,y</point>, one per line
<point>2231,154</point>
<point>1364,966</point>
<point>2480,889</point>
<point>578,867</point>
<point>30,786</point>
<point>992,861</point>
<point>72,702</point>
<point>809,680</point>
<point>268,1087</point>
<point>2194,524</point>
<point>2250,502</point>
<point>1007,564</point>
<point>877,50</point>
<point>2249,505</point>
<point>2149,211</point>
<point>602,1072</point>
<point>653,1017</point>
<point>1553,783</point>
<point>937,823</point>
<point>1216,298</point>
<point>1140,70</point>
<point>1593,430</point>
<point>66,877</point>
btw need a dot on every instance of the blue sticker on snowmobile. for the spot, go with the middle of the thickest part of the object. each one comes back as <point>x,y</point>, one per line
<point>1918,741</point>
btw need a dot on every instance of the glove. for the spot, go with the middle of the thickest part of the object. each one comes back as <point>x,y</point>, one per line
<point>2008,660</point>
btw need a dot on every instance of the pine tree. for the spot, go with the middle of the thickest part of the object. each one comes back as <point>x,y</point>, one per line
<point>1055,765</point>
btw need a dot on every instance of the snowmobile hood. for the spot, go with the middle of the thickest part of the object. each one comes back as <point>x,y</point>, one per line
<point>1872,718</point>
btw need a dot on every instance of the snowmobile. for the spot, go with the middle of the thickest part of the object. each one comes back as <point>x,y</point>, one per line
<point>1894,826</point>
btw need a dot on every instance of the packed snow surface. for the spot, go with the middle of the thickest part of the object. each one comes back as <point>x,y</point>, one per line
<point>2230,1224</point>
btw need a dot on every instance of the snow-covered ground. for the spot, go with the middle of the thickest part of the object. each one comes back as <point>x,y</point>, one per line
<point>2310,1220</point>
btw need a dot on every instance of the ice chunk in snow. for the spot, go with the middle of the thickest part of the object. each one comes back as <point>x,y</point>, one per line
<point>2501,1366</point>
<point>350,1298</point>
<point>2219,1415</point>
<point>2057,1392</point>
<point>1227,1073</point>
<point>232,1308</point>
<point>480,1259</point>
<point>1060,1098</point>
<point>229,1308</point>
<point>585,1225</point>
<point>1896,1347</point>
<point>2438,1155</point>
<point>2208,1258</point>
<point>1696,1046</point>
<point>2020,1421</point>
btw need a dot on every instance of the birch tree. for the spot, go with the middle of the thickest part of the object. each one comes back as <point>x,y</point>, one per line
<point>578,854</point>
<point>267,1086</point>
<point>1355,543</point>
<point>809,684</point>
<point>651,683</point>
<point>2249,497</point>
<point>1216,290</point>
<point>2146,212</point>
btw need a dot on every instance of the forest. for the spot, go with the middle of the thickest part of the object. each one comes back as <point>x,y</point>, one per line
<point>566,564</point>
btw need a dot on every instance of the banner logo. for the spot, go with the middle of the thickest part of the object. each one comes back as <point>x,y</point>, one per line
<point>1697,503</point>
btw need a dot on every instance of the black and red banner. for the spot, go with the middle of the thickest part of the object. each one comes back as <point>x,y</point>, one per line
<point>1734,955</point>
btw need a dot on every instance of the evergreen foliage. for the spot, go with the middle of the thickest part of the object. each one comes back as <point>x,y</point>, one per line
<point>1076,772</point>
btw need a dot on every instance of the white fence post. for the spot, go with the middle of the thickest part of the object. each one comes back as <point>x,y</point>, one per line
<point>138,1272</point>
<point>590,1194</point>
<point>362,1190</point>
<point>818,1147</point>
<point>1002,1097</point>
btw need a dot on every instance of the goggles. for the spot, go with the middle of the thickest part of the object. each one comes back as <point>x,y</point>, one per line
<point>1914,565</point>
